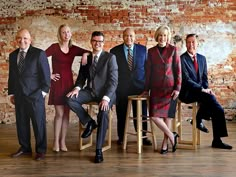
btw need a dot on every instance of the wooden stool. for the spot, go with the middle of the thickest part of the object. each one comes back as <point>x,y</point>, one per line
<point>139,123</point>
<point>90,141</point>
<point>178,127</point>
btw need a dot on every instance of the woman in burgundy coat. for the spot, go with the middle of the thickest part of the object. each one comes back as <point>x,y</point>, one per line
<point>163,80</point>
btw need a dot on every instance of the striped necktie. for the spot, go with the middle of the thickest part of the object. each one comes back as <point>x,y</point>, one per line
<point>21,61</point>
<point>94,65</point>
<point>130,59</point>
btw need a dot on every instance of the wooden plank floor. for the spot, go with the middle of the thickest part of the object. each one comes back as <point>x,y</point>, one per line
<point>203,162</point>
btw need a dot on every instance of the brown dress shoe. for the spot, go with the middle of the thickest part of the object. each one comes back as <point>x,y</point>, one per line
<point>21,153</point>
<point>39,156</point>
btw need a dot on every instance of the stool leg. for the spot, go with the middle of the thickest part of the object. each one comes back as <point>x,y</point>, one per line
<point>127,124</point>
<point>108,146</point>
<point>194,129</point>
<point>179,121</point>
<point>90,142</point>
<point>139,126</point>
<point>154,140</point>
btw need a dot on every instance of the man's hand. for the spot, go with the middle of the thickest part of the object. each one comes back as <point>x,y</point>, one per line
<point>104,105</point>
<point>209,91</point>
<point>55,77</point>
<point>175,94</point>
<point>75,92</point>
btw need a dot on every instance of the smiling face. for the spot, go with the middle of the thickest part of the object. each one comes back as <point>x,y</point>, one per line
<point>97,43</point>
<point>129,37</point>
<point>65,34</point>
<point>23,39</point>
<point>162,38</point>
<point>191,44</point>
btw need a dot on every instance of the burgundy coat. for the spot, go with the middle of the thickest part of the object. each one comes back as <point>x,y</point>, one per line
<point>163,76</point>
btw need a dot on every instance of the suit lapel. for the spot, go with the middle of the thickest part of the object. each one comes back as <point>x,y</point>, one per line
<point>100,61</point>
<point>27,58</point>
<point>134,56</point>
<point>90,58</point>
<point>15,60</point>
<point>199,65</point>
<point>190,63</point>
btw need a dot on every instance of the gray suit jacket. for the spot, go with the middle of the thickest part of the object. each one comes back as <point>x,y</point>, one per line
<point>106,75</point>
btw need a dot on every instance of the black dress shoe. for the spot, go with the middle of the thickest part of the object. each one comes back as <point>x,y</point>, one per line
<point>147,142</point>
<point>98,156</point>
<point>174,147</point>
<point>220,145</point>
<point>39,156</point>
<point>21,153</point>
<point>202,127</point>
<point>91,125</point>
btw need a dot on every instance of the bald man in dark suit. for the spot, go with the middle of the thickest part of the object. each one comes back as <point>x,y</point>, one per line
<point>28,83</point>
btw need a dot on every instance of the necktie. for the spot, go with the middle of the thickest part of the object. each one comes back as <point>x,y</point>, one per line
<point>21,61</point>
<point>94,65</point>
<point>130,59</point>
<point>195,63</point>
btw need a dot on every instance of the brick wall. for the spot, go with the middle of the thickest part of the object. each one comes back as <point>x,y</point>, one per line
<point>213,20</point>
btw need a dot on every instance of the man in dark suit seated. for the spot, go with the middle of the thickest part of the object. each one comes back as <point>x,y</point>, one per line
<point>195,89</point>
<point>28,83</point>
<point>101,75</point>
<point>131,80</point>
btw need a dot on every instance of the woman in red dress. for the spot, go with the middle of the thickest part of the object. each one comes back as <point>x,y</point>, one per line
<point>62,54</point>
<point>163,80</point>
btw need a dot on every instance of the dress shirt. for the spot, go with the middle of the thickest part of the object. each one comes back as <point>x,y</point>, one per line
<point>126,48</point>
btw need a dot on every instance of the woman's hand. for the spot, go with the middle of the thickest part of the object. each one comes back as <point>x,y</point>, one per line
<point>55,77</point>
<point>144,94</point>
<point>175,94</point>
<point>84,59</point>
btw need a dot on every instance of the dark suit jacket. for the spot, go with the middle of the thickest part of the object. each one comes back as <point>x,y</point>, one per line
<point>128,78</point>
<point>106,75</point>
<point>35,76</point>
<point>191,81</point>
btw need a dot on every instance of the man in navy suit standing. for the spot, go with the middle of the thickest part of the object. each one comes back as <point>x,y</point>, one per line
<point>195,89</point>
<point>131,79</point>
<point>28,84</point>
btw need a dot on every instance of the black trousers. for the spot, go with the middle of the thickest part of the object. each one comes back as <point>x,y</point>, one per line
<point>34,110</point>
<point>86,96</point>
<point>209,107</point>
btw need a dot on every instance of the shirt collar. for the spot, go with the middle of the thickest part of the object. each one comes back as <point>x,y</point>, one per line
<point>126,47</point>
<point>191,55</point>
<point>24,50</point>
<point>98,55</point>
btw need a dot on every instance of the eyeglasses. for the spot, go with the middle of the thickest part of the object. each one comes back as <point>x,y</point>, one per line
<point>95,41</point>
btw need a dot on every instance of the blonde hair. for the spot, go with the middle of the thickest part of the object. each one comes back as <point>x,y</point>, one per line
<point>160,30</point>
<point>59,34</point>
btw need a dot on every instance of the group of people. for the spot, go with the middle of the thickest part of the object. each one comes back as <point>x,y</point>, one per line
<point>108,78</point>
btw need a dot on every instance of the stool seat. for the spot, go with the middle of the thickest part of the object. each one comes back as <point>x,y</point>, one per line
<point>139,136</point>
<point>83,145</point>
<point>178,127</point>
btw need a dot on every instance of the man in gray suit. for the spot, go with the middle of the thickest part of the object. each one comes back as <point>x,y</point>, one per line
<point>101,75</point>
